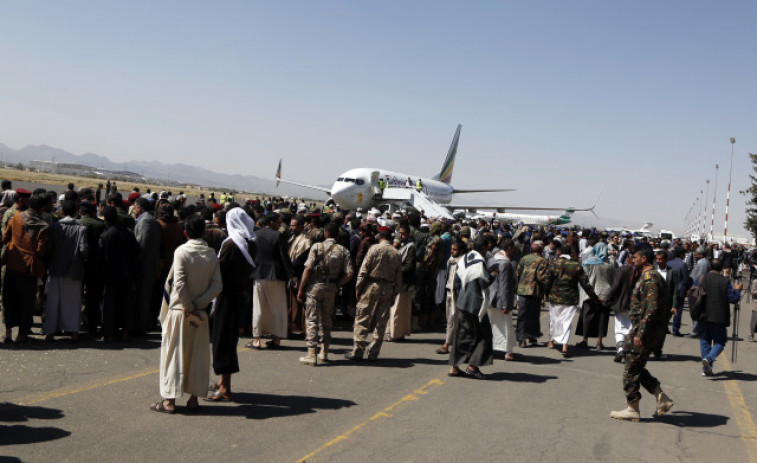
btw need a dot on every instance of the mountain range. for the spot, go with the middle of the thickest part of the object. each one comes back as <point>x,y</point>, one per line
<point>181,173</point>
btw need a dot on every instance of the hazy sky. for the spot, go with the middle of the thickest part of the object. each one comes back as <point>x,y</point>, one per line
<point>556,98</point>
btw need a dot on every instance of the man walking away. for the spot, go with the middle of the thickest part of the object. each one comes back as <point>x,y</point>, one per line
<point>717,314</point>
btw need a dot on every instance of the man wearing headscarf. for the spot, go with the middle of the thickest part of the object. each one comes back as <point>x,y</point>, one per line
<point>473,339</point>
<point>595,317</point>
<point>236,260</point>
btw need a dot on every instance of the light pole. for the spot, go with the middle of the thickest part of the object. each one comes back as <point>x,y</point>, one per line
<point>704,217</point>
<point>714,197</point>
<point>728,194</point>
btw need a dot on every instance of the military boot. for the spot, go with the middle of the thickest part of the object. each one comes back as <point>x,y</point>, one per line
<point>323,356</point>
<point>664,403</point>
<point>310,358</point>
<point>631,413</point>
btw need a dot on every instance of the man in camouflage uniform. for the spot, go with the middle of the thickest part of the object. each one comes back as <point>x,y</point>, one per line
<point>532,276</point>
<point>648,329</point>
<point>563,277</point>
<point>378,283</point>
<point>328,267</point>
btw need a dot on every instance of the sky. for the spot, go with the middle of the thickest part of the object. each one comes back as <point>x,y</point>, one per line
<point>556,98</point>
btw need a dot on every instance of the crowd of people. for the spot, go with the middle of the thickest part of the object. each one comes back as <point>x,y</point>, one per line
<point>110,265</point>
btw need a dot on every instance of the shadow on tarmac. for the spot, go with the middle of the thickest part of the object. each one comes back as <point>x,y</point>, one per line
<point>737,375</point>
<point>385,362</point>
<point>690,419</point>
<point>519,377</point>
<point>679,358</point>
<point>264,406</point>
<point>63,343</point>
<point>22,434</point>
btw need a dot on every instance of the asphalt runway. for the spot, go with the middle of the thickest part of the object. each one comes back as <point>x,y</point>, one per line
<point>64,402</point>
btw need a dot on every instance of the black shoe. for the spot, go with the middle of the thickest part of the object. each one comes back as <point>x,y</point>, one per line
<point>475,374</point>
<point>619,357</point>
<point>677,334</point>
<point>352,356</point>
<point>582,345</point>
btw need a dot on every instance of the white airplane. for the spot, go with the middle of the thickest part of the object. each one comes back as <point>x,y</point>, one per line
<point>528,219</point>
<point>645,230</point>
<point>361,187</point>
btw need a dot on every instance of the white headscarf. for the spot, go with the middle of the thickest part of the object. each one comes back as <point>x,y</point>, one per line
<point>240,227</point>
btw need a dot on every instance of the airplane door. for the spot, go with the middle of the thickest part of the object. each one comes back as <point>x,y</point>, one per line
<point>374,184</point>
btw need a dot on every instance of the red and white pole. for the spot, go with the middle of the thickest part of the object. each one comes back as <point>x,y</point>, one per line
<point>714,197</point>
<point>728,195</point>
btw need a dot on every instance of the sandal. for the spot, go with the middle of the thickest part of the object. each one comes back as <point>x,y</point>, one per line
<point>272,344</point>
<point>193,406</point>
<point>160,407</point>
<point>251,345</point>
<point>455,373</point>
<point>442,350</point>
<point>217,397</point>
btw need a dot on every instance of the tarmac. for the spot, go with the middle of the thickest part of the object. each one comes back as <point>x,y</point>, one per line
<point>89,401</point>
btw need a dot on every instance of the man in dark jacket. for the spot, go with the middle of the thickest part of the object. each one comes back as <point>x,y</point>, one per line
<point>670,296</point>
<point>93,281</point>
<point>147,232</point>
<point>119,251</point>
<point>717,314</point>
<point>273,270</point>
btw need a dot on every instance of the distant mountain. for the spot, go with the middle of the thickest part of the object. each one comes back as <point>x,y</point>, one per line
<point>156,170</point>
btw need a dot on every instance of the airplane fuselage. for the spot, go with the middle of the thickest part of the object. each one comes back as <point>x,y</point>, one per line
<point>359,187</point>
<point>526,219</point>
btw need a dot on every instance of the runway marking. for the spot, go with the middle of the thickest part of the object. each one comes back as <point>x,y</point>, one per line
<point>414,396</point>
<point>741,413</point>
<point>37,398</point>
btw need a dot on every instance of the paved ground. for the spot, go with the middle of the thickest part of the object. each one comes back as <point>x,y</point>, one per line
<point>89,402</point>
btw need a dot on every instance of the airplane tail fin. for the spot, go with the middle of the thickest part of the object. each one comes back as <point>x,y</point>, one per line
<point>445,175</point>
<point>568,213</point>
<point>278,174</point>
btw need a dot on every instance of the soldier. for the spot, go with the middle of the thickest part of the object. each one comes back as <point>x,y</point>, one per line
<point>378,283</point>
<point>328,267</point>
<point>648,328</point>
<point>532,275</point>
<point>563,277</point>
<point>299,247</point>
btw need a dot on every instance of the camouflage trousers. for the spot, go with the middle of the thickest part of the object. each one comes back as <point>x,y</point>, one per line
<point>371,316</point>
<point>319,312</point>
<point>636,375</point>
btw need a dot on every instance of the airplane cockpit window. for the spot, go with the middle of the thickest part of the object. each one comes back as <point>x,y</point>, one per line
<point>340,179</point>
<point>360,181</point>
<point>349,180</point>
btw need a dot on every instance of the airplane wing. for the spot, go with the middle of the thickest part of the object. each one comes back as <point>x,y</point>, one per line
<point>458,190</point>
<point>305,185</point>
<point>503,209</point>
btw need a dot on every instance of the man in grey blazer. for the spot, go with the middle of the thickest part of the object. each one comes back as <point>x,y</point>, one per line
<point>147,232</point>
<point>273,269</point>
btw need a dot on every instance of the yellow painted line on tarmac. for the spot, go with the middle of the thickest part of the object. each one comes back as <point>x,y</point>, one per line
<point>37,398</point>
<point>386,413</point>
<point>741,413</point>
<point>34,399</point>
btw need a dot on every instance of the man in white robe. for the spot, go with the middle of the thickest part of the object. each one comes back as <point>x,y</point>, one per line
<point>194,281</point>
